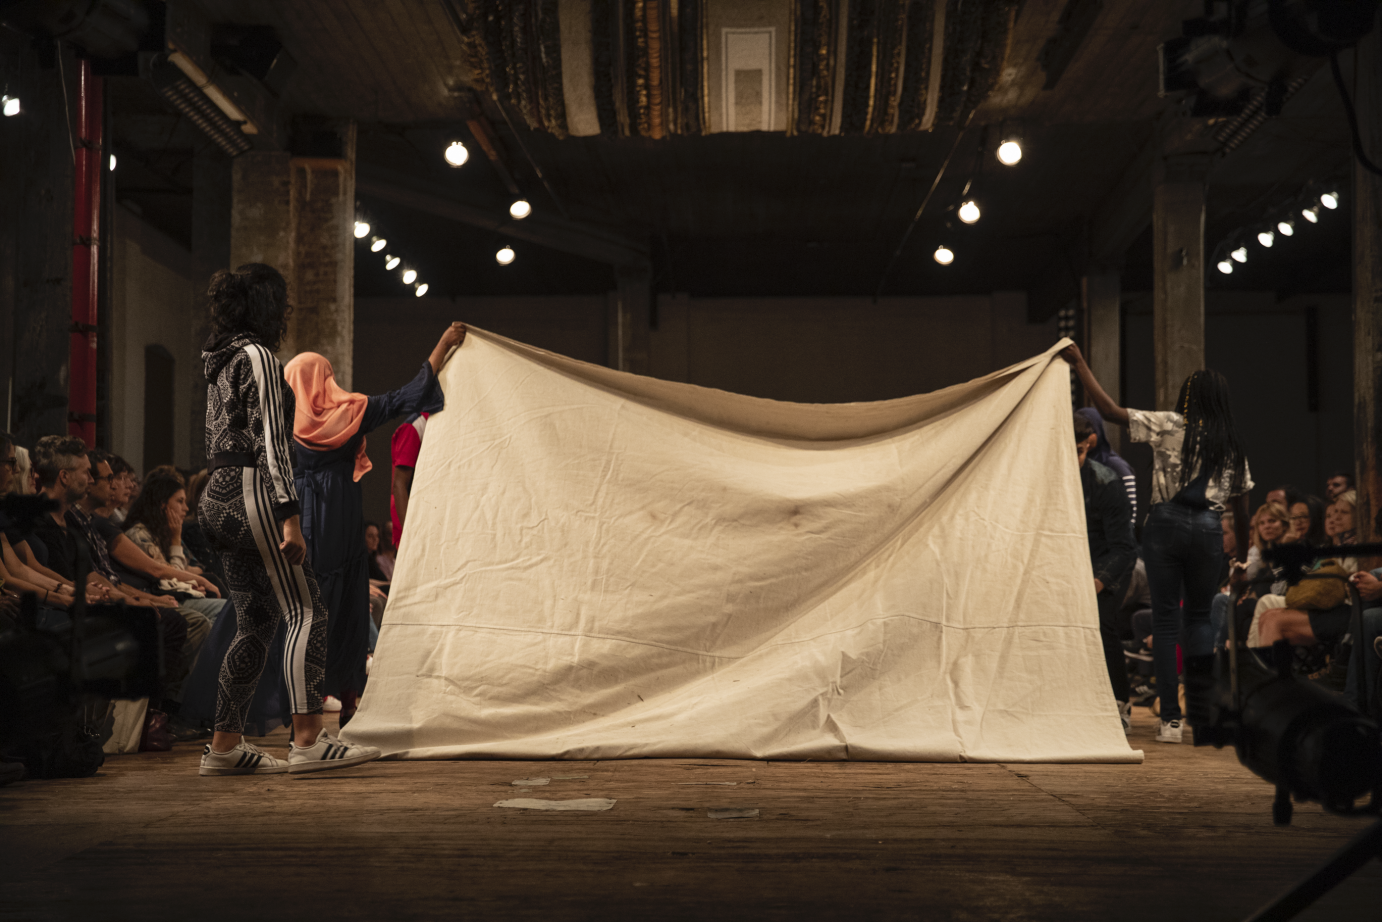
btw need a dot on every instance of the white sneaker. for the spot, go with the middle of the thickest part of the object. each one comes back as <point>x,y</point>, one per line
<point>1170,732</point>
<point>327,753</point>
<point>331,704</point>
<point>1125,714</point>
<point>244,759</point>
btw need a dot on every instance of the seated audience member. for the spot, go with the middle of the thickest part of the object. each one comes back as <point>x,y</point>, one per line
<point>1103,453</point>
<point>15,575</point>
<point>1337,483</point>
<point>1269,525</point>
<point>1306,627</point>
<point>1362,686</point>
<point>154,525</point>
<point>23,482</point>
<point>201,553</point>
<point>388,550</point>
<point>1283,496</point>
<point>1112,550</point>
<point>1306,514</point>
<point>377,560</point>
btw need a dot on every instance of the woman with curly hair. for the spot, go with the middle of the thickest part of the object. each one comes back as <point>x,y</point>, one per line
<point>250,512</point>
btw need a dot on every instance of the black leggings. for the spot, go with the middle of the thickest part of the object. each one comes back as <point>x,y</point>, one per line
<point>1110,600</point>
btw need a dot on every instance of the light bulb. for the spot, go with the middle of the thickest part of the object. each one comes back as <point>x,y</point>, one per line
<point>1240,254</point>
<point>1226,266</point>
<point>456,154</point>
<point>1329,200</point>
<point>10,105</point>
<point>409,276</point>
<point>1287,228</point>
<point>520,209</point>
<point>969,212</point>
<point>1311,214</point>
<point>421,290</point>
<point>361,230</point>
<point>1266,238</point>
<point>504,256</point>
<point>112,163</point>
<point>1009,152</point>
<point>944,256</point>
<point>377,244</point>
<point>391,262</point>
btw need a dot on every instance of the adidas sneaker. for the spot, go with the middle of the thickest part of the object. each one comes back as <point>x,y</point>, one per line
<point>244,759</point>
<point>327,753</point>
<point>1170,732</point>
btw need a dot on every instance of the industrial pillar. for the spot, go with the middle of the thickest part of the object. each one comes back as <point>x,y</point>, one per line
<point>1099,294</point>
<point>86,232</point>
<point>1178,196</point>
<point>1367,289</point>
<point>298,214</point>
<point>629,313</point>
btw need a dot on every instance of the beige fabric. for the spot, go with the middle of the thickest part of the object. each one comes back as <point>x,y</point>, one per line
<point>600,565</point>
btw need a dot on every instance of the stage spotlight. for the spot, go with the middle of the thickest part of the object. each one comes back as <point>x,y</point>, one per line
<point>520,209</point>
<point>1330,200</point>
<point>391,262</point>
<point>1226,266</point>
<point>421,290</point>
<point>112,163</point>
<point>1311,214</point>
<point>504,256</point>
<point>361,230</point>
<point>1287,228</point>
<point>377,244</point>
<point>1009,152</point>
<point>969,212</point>
<point>409,276</point>
<point>456,154</point>
<point>10,105</point>
<point>944,255</point>
<point>1266,238</point>
<point>1240,254</point>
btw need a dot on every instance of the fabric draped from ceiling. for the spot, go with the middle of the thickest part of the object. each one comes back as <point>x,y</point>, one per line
<point>600,565</point>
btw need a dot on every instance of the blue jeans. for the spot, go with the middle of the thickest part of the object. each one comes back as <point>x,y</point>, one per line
<point>1183,549</point>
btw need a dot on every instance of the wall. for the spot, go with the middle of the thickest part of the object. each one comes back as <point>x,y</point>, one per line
<point>154,301</point>
<point>820,350</point>
<point>1261,346</point>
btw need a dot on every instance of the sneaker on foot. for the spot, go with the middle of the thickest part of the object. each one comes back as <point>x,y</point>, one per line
<point>1143,695</point>
<point>244,759</point>
<point>327,753</point>
<point>1125,714</point>
<point>1170,732</point>
<point>331,704</point>
<point>1134,650</point>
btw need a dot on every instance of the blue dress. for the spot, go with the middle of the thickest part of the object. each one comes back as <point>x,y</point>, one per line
<point>333,525</point>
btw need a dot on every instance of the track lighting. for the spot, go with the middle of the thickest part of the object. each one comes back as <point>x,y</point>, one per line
<point>361,230</point>
<point>1330,200</point>
<point>409,276</point>
<point>1287,228</point>
<point>391,262</point>
<point>1266,238</point>
<point>1226,266</point>
<point>377,244</point>
<point>456,154</point>
<point>944,255</point>
<point>420,290</point>
<point>520,209</point>
<point>969,211</point>
<point>1010,151</point>
<point>1240,254</point>
<point>10,105</point>
<point>1311,214</point>
<point>504,256</point>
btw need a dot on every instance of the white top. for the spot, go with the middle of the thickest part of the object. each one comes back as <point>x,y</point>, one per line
<point>1164,430</point>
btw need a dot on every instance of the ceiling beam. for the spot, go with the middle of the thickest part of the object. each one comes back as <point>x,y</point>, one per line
<point>571,237</point>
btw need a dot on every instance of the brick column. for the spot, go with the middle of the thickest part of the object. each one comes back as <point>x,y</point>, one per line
<point>1178,273</point>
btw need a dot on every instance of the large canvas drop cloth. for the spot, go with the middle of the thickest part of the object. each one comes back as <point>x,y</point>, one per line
<point>598,565</point>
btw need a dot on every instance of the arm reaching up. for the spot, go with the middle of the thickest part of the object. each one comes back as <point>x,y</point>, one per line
<point>1102,401</point>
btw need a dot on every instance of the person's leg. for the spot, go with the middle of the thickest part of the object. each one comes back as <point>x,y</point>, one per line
<point>1114,660</point>
<point>1286,624</point>
<point>1201,565</point>
<point>1361,684</point>
<point>208,607</point>
<point>1220,610</point>
<point>173,630</point>
<point>1161,551</point>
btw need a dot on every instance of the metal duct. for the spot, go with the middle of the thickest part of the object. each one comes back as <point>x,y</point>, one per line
<point>173,85</point>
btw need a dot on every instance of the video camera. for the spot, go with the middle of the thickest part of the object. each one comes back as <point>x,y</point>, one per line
<point>50,673</point>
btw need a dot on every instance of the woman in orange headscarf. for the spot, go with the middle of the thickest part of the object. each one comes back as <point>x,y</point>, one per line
<point>329,431</point>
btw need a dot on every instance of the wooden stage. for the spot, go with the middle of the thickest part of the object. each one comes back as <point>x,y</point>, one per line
<point>1185,836</point>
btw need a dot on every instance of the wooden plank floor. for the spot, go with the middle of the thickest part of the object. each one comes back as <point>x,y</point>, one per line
<point>1185,836</point>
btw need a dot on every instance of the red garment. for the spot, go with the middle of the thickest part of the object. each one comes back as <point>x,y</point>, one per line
<point>404,449</point>
<point>327,416</point>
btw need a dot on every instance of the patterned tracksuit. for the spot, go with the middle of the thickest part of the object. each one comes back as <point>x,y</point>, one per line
<point>249,423</point>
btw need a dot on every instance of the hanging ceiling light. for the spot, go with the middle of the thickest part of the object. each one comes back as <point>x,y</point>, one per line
<point>361,230</point>
<point>504,256</point>
<point>1266,238</point>
<point>1010,151</point>
<point>456,154</point>
<point>409,276</point>
<point>1240,254</point>
<point>1287,228</point>
<point>377,244</point>
<point>1330,200</point>
<point>112,163</point>
<point>520,209</point>
<point>1226,266</point>
<point>969,211</point>
<point>10,105</point>
<point>391,262</point>
<point>420,290</point>
<point>944,255</point>
<point>1311,214</point>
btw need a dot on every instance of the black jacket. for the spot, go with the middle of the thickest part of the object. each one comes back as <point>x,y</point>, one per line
<point>1108,519</point>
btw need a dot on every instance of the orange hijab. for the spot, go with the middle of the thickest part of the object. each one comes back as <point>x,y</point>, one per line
<point>327,417</point>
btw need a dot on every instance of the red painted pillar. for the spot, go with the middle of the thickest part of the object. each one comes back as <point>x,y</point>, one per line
<point>86,222</point>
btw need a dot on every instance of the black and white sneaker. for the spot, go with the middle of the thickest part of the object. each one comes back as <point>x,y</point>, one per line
<point>244,759</point>
<point>327,753</point>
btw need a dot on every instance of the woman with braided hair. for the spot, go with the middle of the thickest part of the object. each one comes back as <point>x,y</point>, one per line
<point>1199,471</point>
